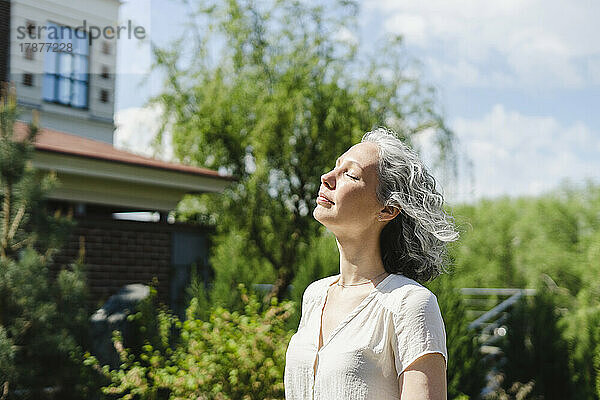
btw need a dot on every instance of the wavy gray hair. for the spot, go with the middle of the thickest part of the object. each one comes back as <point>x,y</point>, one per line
<point>414,242</point>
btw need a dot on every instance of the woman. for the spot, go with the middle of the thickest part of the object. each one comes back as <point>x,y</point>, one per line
<point>372,331</point>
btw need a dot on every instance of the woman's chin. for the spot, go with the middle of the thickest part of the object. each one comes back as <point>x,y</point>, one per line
<point>321,214</point>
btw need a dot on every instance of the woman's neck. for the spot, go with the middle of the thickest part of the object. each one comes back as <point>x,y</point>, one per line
<point>360,259</point>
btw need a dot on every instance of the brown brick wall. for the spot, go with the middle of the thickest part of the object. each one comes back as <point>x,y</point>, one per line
<point>118,253</point>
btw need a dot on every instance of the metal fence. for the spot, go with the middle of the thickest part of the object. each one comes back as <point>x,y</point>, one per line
<point>491,308</point>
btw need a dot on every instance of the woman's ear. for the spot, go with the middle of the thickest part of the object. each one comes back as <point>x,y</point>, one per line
<point>388,213</point>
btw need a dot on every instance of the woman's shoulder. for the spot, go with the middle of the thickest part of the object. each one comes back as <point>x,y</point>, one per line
<point>403,293</point>
<point>318,287</point>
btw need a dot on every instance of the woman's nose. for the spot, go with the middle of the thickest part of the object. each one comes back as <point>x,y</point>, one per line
<point>328,180</point>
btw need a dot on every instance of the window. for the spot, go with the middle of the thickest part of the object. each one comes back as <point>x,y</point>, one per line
<point>105,74</point>
<point>104,96</point>
<point>105,48</point>
<point>27,79</point>
<point>66,77</point>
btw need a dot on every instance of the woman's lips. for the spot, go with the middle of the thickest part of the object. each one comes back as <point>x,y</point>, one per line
<point>324,200</point>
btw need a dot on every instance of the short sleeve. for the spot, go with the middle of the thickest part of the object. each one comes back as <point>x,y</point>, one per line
<point>305,300</point>
<point>418,329</point>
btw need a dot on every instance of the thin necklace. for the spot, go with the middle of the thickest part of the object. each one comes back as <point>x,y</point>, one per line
<point>358,284</point>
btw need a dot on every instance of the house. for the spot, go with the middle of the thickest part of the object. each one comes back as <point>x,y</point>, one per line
<point>71,83</point>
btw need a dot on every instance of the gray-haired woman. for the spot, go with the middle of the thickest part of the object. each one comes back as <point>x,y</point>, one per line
<point>373,331</point>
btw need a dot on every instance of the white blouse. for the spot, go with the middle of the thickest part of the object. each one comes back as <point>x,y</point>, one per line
<point>362,358</point>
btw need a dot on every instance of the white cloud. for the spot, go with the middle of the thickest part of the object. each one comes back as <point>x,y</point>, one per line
<point>516,154</point>
<point>466,73</point>
<point>412,26</point>
<point>593,69</point>
<point>136,129</point>
<point>347,36</point>
<point>533,43</point>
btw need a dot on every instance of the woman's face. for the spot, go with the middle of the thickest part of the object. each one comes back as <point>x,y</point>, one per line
<point>351,187</point>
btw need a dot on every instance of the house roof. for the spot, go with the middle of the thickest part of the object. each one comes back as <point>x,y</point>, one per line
<point>49,140</point>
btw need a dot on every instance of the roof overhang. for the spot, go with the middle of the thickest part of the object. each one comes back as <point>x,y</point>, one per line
<point>94,172</point>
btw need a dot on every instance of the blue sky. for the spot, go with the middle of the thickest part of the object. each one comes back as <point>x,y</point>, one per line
<point>518,82</point>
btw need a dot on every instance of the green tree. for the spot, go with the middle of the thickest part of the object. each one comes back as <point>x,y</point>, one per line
<point>42,321</point>
<point>273,93</point>
<point>486,254</point>
<point>535,348</point>
<point>583,335</point>
<point>597,363</point>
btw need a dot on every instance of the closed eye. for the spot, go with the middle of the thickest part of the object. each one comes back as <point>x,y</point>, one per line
<point>353,177</point>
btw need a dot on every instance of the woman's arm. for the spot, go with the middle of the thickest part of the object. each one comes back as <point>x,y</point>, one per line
<point>424,379</point>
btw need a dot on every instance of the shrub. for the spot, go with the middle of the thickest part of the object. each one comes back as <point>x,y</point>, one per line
<point>230,355</point>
